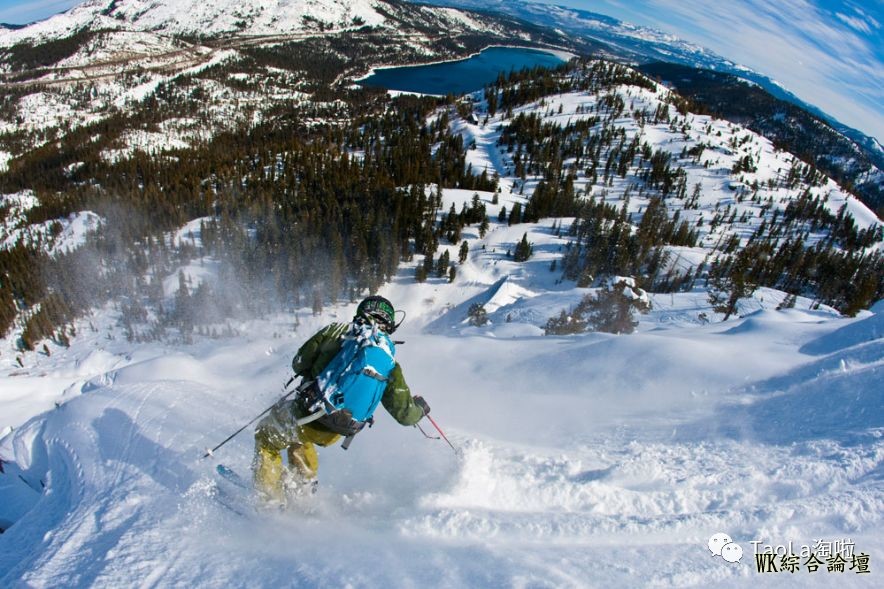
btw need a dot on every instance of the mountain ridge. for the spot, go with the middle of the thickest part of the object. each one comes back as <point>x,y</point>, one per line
<point>195,18</point>
<point>645,45</point>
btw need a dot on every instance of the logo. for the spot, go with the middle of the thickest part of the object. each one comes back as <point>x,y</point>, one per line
<point>831,556</point>
<point>722,545</point>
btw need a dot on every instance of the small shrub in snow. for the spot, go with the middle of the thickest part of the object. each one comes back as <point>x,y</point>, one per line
<point>477,315</point>
<point>464,252</point>
<point>566,323</point>
<point>611,310</point>
<point>726,291</point>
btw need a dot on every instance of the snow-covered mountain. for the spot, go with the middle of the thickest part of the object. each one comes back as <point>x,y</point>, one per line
<point>583,461</point>
<point>638,43</point>
<point>126,49</point>
<point>625,41</point>
<point>193,18</point>
<point>101,60</point>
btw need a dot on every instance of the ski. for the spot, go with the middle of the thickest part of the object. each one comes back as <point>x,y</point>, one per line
<point>232,476</point>
<point>234,492</point>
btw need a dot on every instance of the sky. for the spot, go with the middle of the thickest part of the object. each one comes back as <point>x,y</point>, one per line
<point>829,53</point>
<point>19,12</point>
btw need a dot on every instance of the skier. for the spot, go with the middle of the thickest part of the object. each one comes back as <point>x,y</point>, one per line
<point>315,363</point>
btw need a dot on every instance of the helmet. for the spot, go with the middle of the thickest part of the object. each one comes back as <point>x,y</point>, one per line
<point>378,310</point>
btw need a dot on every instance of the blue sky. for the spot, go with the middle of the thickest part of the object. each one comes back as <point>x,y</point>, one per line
<point>18,12</point>
<point>830,53</point>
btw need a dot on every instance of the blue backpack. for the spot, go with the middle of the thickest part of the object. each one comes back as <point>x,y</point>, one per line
<point>353,382</point>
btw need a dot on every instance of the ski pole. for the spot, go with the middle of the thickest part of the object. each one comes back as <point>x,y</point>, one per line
<point>426,435</point>
<point>259,416</point>
<point>438,429</point>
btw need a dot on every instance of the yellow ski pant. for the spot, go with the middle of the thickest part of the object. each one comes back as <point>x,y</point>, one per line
<point>279,431</point>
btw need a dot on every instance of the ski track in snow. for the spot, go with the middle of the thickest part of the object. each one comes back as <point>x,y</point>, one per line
<point>532,500</point>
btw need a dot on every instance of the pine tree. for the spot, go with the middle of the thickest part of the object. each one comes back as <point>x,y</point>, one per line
<point>726,291</point>
<point>612,310</point>
<point>515,215</point>
<point>442,264</point>
<point>464,252</point>
<point>483,227</point>
<point>523,249</point>
<point>182,304</point>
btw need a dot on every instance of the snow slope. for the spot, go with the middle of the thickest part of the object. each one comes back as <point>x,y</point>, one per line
<point>192,17</point>
<point>59,235</point>
<point>587,461</point>
<point>106,56</point>
<point>245,18</point>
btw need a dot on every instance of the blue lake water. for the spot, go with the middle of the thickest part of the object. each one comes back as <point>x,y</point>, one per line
<point>465,75</point>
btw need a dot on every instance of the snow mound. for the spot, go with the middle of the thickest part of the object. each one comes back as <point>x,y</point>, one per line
<point>97,362</point>
<point>506,293</point>
<point>857,332</point>
<point>570,449</point>
<point>835,397</point>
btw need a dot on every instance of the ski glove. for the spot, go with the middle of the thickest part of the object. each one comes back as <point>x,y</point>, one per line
<point>420,402</point>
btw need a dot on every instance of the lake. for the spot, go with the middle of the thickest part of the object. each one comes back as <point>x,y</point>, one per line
<point>462,76</point>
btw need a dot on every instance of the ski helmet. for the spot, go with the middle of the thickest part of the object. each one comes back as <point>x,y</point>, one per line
<point>378,310</point>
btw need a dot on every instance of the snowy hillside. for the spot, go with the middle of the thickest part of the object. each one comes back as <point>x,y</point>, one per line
<point>590,460</point>
<point>143,22</point>
<point>725,203</point>
<point>585,461</point>
<point>781,115</point>
<point>191,17</point>
<point>203,68</point>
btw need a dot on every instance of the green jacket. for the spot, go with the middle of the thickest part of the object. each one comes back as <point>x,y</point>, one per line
<point>318,351</point>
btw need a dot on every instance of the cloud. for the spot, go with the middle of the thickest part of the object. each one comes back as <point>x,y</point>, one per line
<point>854,22</point>
<point>864,15</point>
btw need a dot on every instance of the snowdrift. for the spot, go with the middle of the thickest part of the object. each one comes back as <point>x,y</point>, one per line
<point>584,461</point>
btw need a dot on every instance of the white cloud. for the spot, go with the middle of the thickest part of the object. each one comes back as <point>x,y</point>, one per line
<point>865,15</point>
<point>854,22</point>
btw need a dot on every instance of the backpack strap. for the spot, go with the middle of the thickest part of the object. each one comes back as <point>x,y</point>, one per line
<point>369,371</point>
